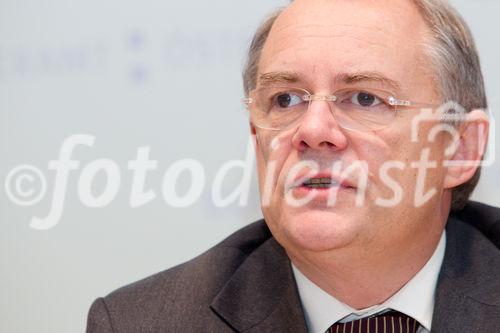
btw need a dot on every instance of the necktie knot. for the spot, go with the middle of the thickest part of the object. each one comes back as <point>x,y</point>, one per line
<point>387,322</point>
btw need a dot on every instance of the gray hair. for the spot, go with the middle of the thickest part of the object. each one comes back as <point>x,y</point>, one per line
<point>452,52</point>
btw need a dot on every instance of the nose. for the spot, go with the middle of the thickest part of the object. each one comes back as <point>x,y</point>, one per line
<point>318,129</point>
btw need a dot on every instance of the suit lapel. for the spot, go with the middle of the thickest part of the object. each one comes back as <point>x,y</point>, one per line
<point>262,294</point>
<point>467,295</point>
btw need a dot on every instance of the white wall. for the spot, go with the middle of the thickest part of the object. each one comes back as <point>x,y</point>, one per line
<point>163,74</point>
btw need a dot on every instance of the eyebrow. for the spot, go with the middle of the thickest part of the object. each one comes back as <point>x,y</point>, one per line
<point>367,76</point>
<point>267,79</point>
<point>270,78</point>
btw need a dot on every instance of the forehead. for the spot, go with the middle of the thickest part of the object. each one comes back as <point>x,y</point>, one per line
<point>320,38</point>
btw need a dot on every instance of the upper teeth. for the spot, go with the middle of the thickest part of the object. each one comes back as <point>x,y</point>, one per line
<point>313,181</point>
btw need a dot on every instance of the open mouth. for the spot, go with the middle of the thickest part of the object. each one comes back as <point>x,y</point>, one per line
<point>320,183</point>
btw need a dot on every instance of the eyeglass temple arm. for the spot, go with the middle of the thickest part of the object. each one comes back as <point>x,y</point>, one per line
<point>247,100</point>
<point>401,102</point>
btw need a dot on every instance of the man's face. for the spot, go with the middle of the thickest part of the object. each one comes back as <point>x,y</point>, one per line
<point>322,42</point>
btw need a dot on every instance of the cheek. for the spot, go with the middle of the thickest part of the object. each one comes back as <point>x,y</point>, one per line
<point>272,153</point>
<point>408,168</point>
<point>372,150</point>
<point>390,150</point>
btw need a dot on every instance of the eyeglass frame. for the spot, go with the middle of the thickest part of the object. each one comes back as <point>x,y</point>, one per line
<point>308,97</point>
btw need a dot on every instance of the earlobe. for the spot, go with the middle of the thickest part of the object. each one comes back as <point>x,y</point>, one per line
<point>469,152</point>
<point>253,131</point>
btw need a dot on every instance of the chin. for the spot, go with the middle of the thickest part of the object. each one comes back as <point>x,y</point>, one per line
<point>317,230</point>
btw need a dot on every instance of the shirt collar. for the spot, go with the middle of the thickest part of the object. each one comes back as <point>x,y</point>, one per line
<point>415,298</point>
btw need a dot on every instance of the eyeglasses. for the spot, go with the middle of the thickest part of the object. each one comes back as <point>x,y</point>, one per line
<point>281,107</point>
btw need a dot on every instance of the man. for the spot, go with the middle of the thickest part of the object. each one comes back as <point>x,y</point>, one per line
<point>367,224</point>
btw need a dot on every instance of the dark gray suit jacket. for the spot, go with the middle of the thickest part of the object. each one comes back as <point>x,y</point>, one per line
<point>245,284</point>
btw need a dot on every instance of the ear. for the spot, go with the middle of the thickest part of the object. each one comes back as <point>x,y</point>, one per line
<point>253,131</point>
<point>469,150</point>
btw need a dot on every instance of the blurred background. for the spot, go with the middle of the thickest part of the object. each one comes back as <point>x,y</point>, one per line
<point>157,74</point>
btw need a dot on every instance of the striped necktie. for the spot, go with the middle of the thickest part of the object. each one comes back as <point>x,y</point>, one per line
<point>387,322</point>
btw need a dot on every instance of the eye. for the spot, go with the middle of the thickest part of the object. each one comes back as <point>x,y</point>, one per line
<point>287,99</point>
<point>365,99</point>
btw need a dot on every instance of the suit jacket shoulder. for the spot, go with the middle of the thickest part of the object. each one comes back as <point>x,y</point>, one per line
<point>467,295</point>
<point>201,293</point>
<point>483,217</point>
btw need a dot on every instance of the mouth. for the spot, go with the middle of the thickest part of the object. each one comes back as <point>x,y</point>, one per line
<point>322,188</point>
<point>320,183</point>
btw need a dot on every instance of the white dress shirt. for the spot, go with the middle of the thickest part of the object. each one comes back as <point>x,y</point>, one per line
<point>415,298</point>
